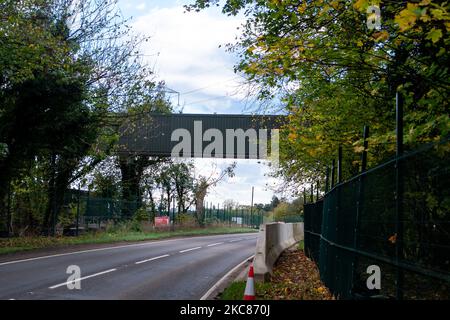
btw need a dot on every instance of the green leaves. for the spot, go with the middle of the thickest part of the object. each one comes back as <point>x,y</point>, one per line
<point>434,35</point>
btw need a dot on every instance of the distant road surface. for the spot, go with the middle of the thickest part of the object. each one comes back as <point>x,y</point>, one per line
<point>182,268</point>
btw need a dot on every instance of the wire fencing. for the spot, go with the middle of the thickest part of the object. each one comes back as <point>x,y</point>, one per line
<point>395,217</point>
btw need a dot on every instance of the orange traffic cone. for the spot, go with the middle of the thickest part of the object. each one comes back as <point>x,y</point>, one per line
<point>249,293</point>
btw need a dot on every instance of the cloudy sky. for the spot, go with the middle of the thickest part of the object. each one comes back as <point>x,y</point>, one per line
<point>187,51</point>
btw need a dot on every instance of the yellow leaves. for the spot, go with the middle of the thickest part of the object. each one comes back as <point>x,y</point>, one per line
<point>321,290</point>
<point>361,4</point>
<point>359,43</point>
<point>359,149</point>
<point>438,14</point>
<point>441,52</point>
<point>302,7</point>
<point>425,18</point>
<point>434,35</point>
<point>380,36</point>
<point>335,4</point>
<point>278,71</point>
<point>276,2</point>
<point>406,19</point>
<point>292,137</point>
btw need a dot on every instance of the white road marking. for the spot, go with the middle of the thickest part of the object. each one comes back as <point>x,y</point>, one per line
<point>214,244</point>
<point>151,259</point>
<point>101,249</point>
<point>191,249</point>
<point>236,240</point>
<point>83,278</point>
<point>86,251</point>
<point>223,279</point>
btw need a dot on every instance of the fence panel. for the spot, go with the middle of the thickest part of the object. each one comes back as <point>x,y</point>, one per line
<point>395,216</point>
<point>312,227</point>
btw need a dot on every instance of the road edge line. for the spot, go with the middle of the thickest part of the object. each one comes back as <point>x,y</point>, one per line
<point>224,278</point>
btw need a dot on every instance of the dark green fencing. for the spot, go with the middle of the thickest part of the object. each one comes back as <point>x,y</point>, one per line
<point>313,227</point>
<point>231,216</point>
<point>92,207</point>
<point>95,210</point>
<point>395,216</point>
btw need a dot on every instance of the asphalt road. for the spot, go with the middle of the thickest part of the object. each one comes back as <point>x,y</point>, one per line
<point>183,268</point>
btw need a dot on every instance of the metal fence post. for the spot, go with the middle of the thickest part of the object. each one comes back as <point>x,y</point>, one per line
<point>78,209</point>
<point>332,173</point>
<point>399,194</point>
<point>317,191</point>
<point>359,204</point>
<point>364,154</point>
<point>339,169</point>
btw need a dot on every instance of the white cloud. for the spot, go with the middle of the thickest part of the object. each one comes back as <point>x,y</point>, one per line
<point>189,58</point>
<point>248,174</point>
<point>141,6</point>
<point>189,55</point>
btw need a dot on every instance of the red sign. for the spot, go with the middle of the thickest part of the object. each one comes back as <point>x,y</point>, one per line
<point>161,221</point>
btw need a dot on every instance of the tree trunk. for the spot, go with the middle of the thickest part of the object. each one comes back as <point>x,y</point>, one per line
<point>130,185</point>
<point>199,206</point>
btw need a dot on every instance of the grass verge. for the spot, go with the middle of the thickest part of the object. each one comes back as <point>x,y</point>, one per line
<point>12,245</point>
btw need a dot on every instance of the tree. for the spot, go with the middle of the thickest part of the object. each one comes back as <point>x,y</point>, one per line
<point>201,186</point>
<point>183,181</point>
<point>275,202</point>
<point>106,180</point>
<point>333,75</point>
<point>231,204</point>
<point>65,65</point>
<point>149,184</point>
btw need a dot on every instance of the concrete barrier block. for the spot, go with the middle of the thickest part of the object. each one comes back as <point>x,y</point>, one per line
<point>273,239</point>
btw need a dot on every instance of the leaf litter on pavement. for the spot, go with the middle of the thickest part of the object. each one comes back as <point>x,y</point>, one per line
<point>295,277</point>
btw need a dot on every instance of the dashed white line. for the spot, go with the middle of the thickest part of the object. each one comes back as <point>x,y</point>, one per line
<point>96,250</point>
<point>214,244</point>
<point>235,240</point>
<point>191,249</point>
<point>151,259</point>
<point>87,251</point>
<point>83,278</point>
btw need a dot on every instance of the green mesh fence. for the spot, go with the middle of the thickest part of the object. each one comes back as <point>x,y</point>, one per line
<point>99,208</point>
<point>94,209</point>
<point>313,227</point>
<point>240,217</point>
<point>395,216</point>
